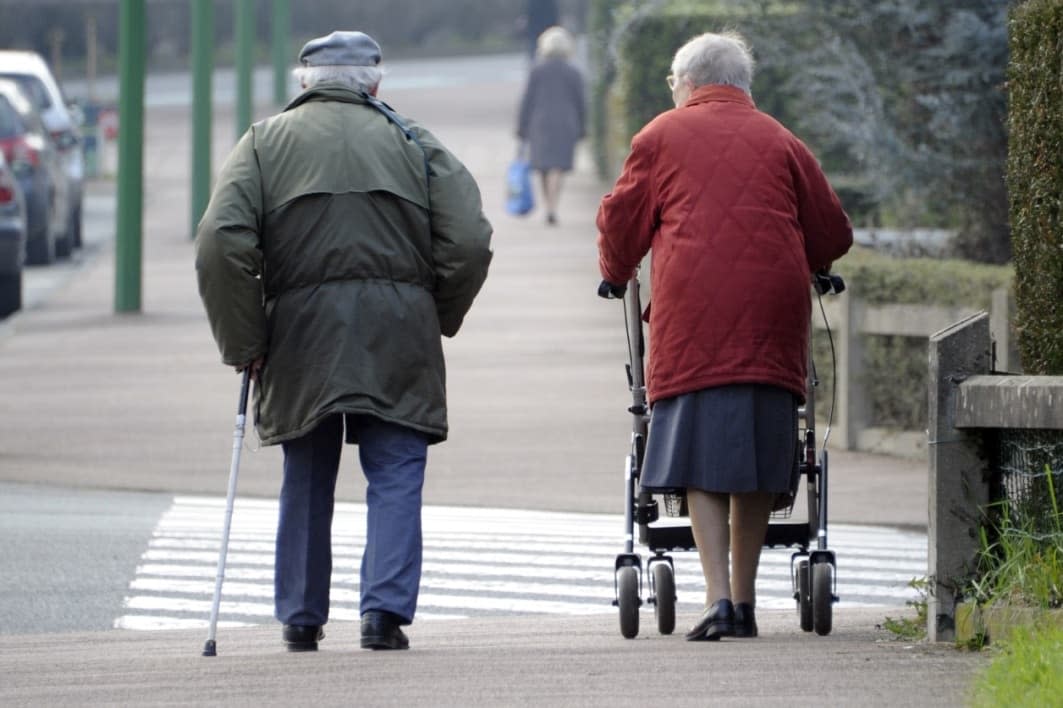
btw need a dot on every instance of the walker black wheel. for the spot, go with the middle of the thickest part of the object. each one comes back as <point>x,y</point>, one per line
<point>627,599</point>
<point>664,604</point>
<point>822,597</point>
<point>804,595</point>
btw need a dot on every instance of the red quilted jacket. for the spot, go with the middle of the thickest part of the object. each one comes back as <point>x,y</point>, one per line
<point>738,215</point>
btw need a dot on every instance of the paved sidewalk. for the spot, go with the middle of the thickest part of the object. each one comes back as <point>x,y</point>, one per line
<point>535,662</point>
<point>538,401</point>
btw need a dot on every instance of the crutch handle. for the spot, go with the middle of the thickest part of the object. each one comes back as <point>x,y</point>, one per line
<point>245,388</point>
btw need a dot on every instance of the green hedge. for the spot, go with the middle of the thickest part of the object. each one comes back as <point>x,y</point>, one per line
<point>600,24</point>
<point>1035,181</point>
<point>880,279</point>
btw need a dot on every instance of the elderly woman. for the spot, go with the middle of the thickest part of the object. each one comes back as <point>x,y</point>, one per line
<point>739,215</point>
<point>552,114</point>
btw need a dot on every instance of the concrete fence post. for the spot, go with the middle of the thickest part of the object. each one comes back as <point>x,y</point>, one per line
<point>1001,315</point>
<point>958,483</point>
<point>852,403</point>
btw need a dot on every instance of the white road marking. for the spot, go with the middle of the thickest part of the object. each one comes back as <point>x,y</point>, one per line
<point>476,562</point>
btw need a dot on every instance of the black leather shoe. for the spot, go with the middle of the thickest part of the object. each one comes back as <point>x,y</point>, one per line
<point>302,637</point>
<point>745,620</point>
<point>381,630</point>
<point>717,621</point>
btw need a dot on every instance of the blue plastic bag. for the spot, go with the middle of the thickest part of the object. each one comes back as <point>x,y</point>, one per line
<point>519,197</point>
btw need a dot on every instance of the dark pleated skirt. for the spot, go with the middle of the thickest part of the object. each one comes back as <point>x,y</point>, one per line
<point>728,439</point>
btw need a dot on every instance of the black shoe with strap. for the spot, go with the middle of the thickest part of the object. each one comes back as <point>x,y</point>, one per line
<point>383,630</point>
<point>302,637</point>
<point>717,621</point>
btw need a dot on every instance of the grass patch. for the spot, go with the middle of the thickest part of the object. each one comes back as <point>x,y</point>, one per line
<point>1025,671</point>
<point>1022,562</point>
<point>1022,566</point>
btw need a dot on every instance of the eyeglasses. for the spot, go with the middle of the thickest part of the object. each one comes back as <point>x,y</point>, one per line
<point>672,80</point>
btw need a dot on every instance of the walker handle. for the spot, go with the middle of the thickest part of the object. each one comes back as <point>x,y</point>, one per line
<point>826,282</point>
<point>611,291</point>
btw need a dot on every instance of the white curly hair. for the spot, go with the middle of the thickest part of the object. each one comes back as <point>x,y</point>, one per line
<point>711,58</point>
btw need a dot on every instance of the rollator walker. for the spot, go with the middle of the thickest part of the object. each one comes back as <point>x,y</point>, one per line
<point>812,565</point>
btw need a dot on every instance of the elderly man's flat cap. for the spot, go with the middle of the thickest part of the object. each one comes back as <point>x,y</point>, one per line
<point>341,49</point>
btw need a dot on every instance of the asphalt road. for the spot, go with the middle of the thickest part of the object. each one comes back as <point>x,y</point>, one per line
<point>68,555</point>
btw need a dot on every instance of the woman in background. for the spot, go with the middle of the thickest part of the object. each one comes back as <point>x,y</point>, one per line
<point>552,114</point>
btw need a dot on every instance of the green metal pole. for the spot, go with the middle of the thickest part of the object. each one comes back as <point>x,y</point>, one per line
<point>282,21</point>
<point>202,68</point>
<point>245,62</point>
<point>131,56</point>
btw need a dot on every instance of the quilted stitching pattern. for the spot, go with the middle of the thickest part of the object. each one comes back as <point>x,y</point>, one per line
<point>725,197</point>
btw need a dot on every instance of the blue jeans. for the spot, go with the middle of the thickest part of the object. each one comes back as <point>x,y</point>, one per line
<point>393,461</point>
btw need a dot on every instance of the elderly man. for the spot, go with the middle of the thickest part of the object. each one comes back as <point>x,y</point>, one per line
<point>340,242</point>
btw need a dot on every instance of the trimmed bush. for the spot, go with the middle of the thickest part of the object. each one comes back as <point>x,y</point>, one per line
<point>1035,181</point>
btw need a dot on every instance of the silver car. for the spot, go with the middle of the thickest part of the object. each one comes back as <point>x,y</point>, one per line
<point>32,73</point>
<point>38,168</point>
<point>12,238</point>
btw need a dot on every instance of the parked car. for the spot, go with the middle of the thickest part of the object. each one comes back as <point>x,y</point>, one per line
<point>36,163</point>
<point>32,73</point>
<point>12,236</point>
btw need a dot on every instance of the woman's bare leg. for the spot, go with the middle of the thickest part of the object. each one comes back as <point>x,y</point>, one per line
<point>552,191</point>
<point>708,521</point>
<point>750,514</point>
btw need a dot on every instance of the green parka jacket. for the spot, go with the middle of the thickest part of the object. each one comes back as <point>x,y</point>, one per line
<point>341,250</point>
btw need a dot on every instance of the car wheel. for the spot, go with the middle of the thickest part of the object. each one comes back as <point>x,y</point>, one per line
<point>40,250</point>
<point>75,227</point>
<point>10,293</point>
<point>64,244</point>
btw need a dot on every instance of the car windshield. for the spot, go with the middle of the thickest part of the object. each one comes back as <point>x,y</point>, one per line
<point>34,88</point>
<point>10,123</point>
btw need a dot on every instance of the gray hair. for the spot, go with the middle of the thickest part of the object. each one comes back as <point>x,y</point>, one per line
<point>359,78</point>
<point>555,42</point>
<point>709,58</point>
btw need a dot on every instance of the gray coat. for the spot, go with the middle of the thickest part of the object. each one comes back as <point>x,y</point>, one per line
<point>552,114</point>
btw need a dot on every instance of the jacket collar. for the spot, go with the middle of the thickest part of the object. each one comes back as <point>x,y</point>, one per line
<point>719,92</point>
<point>327,92</point>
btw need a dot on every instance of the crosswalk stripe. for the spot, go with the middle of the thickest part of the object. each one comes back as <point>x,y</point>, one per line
<point>476,562</point>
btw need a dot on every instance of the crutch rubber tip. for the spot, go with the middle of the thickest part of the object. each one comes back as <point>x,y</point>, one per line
<point>210,648</point>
